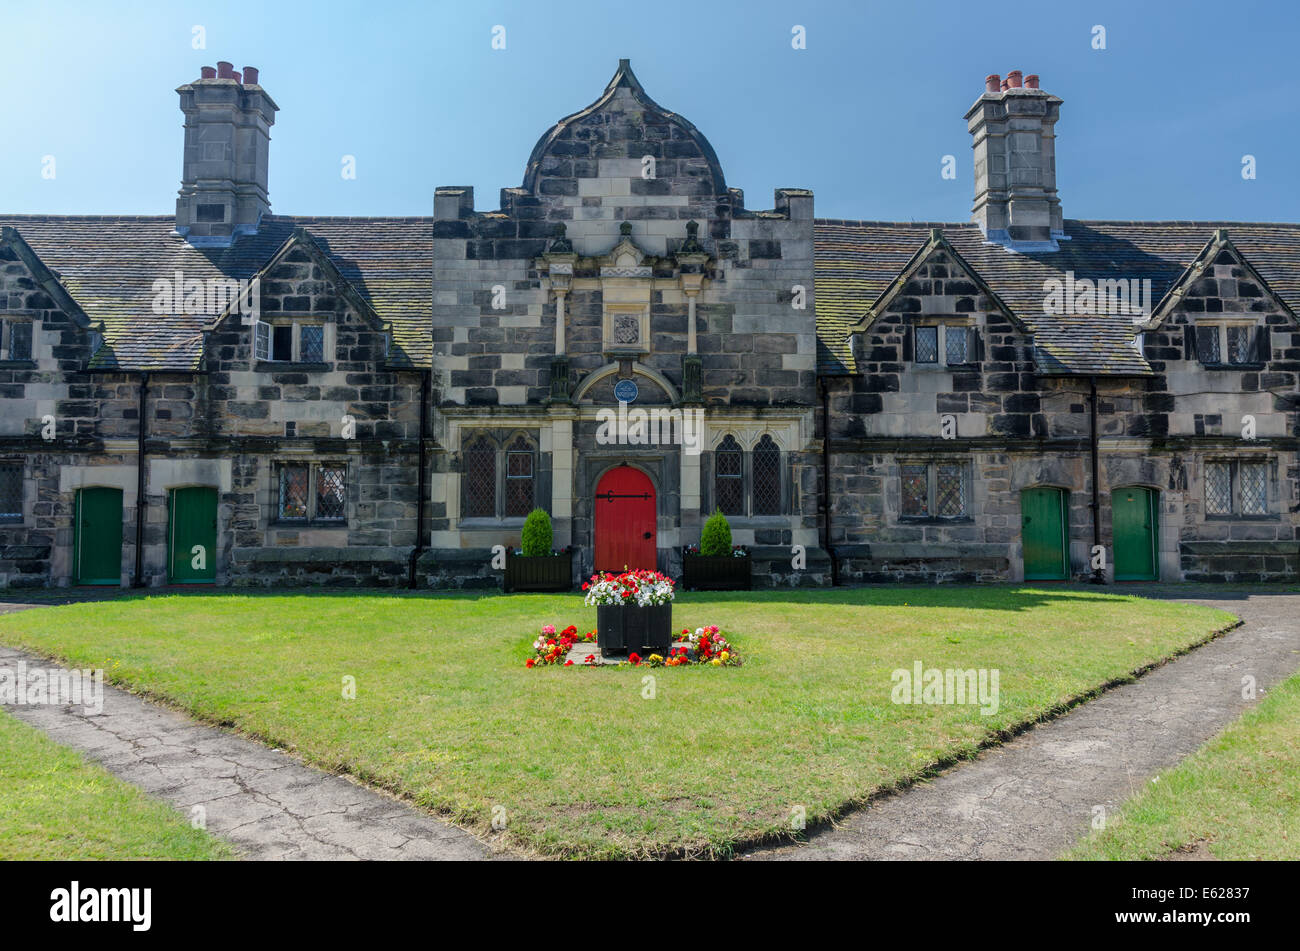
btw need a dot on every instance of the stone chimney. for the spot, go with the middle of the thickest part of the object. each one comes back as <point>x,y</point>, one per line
<point>1013,127</point>
<point>228,119</point>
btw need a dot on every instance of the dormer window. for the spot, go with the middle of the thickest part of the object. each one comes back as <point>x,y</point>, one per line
<point>949,345</point>
<point>289,342</point>
<point>16,339</point>
<point>1230,344</point>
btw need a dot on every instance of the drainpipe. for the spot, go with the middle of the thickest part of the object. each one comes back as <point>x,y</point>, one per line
<point>826,480</point>
<point>1098,575</point>
<point>425,386</point>
<point>138,580</point>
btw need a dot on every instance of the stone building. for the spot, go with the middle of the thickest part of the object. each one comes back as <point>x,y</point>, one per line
<point>230,396</point>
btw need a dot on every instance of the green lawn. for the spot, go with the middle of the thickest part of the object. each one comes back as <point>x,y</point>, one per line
<point>1238,796</point>
<point>55,805</point>
<point>582,764</point>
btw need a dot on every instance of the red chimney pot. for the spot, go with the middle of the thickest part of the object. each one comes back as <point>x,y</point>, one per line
<point>1013,79</point>
<point>1004,86</point>
<point>234,74</point>
<point>208,72</point>
<point>1031,81</point>
<point>991,82</point>
<point>250,76</point>
<point>225,70</point>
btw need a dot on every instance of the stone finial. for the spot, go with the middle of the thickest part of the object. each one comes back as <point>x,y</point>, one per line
<point>692,243</point>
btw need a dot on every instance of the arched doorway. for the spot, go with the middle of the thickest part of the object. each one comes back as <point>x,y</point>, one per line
<point>625,520</point>
<point>1134,515</point>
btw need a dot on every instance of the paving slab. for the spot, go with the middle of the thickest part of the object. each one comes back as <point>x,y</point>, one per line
<point>263,801</point>
<point>1035,796</point>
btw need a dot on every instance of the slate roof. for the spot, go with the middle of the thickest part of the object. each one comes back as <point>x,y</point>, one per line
<point>108,266</point>
<point>856,261</point>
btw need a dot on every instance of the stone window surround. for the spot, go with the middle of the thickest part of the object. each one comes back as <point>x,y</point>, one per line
<point>1221,323</point>
<point>1234,463</point>
<point>503,444</point>
<point>313,466</point>
<point>932,464</point>
<point>297,321</point>
<point>747,438</point>
<point>945,322</point>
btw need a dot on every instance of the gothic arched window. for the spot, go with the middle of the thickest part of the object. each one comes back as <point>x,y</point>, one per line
<point>728,477</point>
<point>519,478</point>
<point>767,477</point>
<point>479,478</point>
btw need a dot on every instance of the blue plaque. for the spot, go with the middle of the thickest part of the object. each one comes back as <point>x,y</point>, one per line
<point>625,391</point>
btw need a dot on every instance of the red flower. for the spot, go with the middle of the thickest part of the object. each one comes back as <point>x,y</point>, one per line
<point>529,662</point>
<point>568,663</point>
<point>634,659</point>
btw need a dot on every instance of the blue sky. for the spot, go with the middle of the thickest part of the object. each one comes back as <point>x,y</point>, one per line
<point>1155,126</point>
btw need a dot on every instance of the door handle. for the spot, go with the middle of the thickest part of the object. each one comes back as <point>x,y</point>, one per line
<point>646,535</point>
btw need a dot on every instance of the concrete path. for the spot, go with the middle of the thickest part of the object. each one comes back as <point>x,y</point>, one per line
<point>1034,797</point>
<point>261,800</point>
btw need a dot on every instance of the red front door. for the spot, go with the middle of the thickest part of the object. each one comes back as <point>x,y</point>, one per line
<point>625,520</point>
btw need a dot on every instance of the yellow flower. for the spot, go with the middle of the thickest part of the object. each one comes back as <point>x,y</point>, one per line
<point>724,655</point>
<point>717,662</point>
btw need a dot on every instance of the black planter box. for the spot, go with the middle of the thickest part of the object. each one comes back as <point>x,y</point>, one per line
<point>627,628</point>
<point>716,573</point>
<point>548,573</point>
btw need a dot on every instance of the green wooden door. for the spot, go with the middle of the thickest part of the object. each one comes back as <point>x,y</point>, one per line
<point>1133,529</point>
<point>97,545</point>
<point>1043,534</point>
<point>192,536</point>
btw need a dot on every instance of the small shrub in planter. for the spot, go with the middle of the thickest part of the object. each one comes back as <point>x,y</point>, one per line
<point>536,566</point>
<point>716,565</point>
<point>634,611</point>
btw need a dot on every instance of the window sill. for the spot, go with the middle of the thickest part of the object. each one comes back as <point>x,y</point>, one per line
<point>305,523</point>
<point>935,520</point>
<point>17,364</point>
<point>284,366</point>
<point>1243,518</point>
<point>488,522</point>
<point>1234,366</point>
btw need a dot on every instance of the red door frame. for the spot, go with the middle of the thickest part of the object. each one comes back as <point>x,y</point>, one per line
<point>624,520</point>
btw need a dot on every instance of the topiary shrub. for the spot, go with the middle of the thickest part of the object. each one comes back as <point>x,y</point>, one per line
<point>715,540</point>
<point>537,536</point>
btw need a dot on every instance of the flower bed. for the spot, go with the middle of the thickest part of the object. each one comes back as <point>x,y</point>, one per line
<point>642,588</point>
<point>703,646</point>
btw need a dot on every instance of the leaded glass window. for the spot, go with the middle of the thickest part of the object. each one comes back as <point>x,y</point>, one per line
<point>927,344</point>
<point>19,342</point>
<point>311,343</point>
<point>916,490</point>
<point>1254,488</point>
<point>955,345</point>
<point>11,492</point>
<point>728,471</point>
<point>1239,344</point>
<point>1207,345</point>
<point>950,491</point>
<point>767,477</point>
<point>519,479</point>
<point>1218,488</point>
<point>294,486</point>
<point>479,473</point>
<point>331,493</point>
